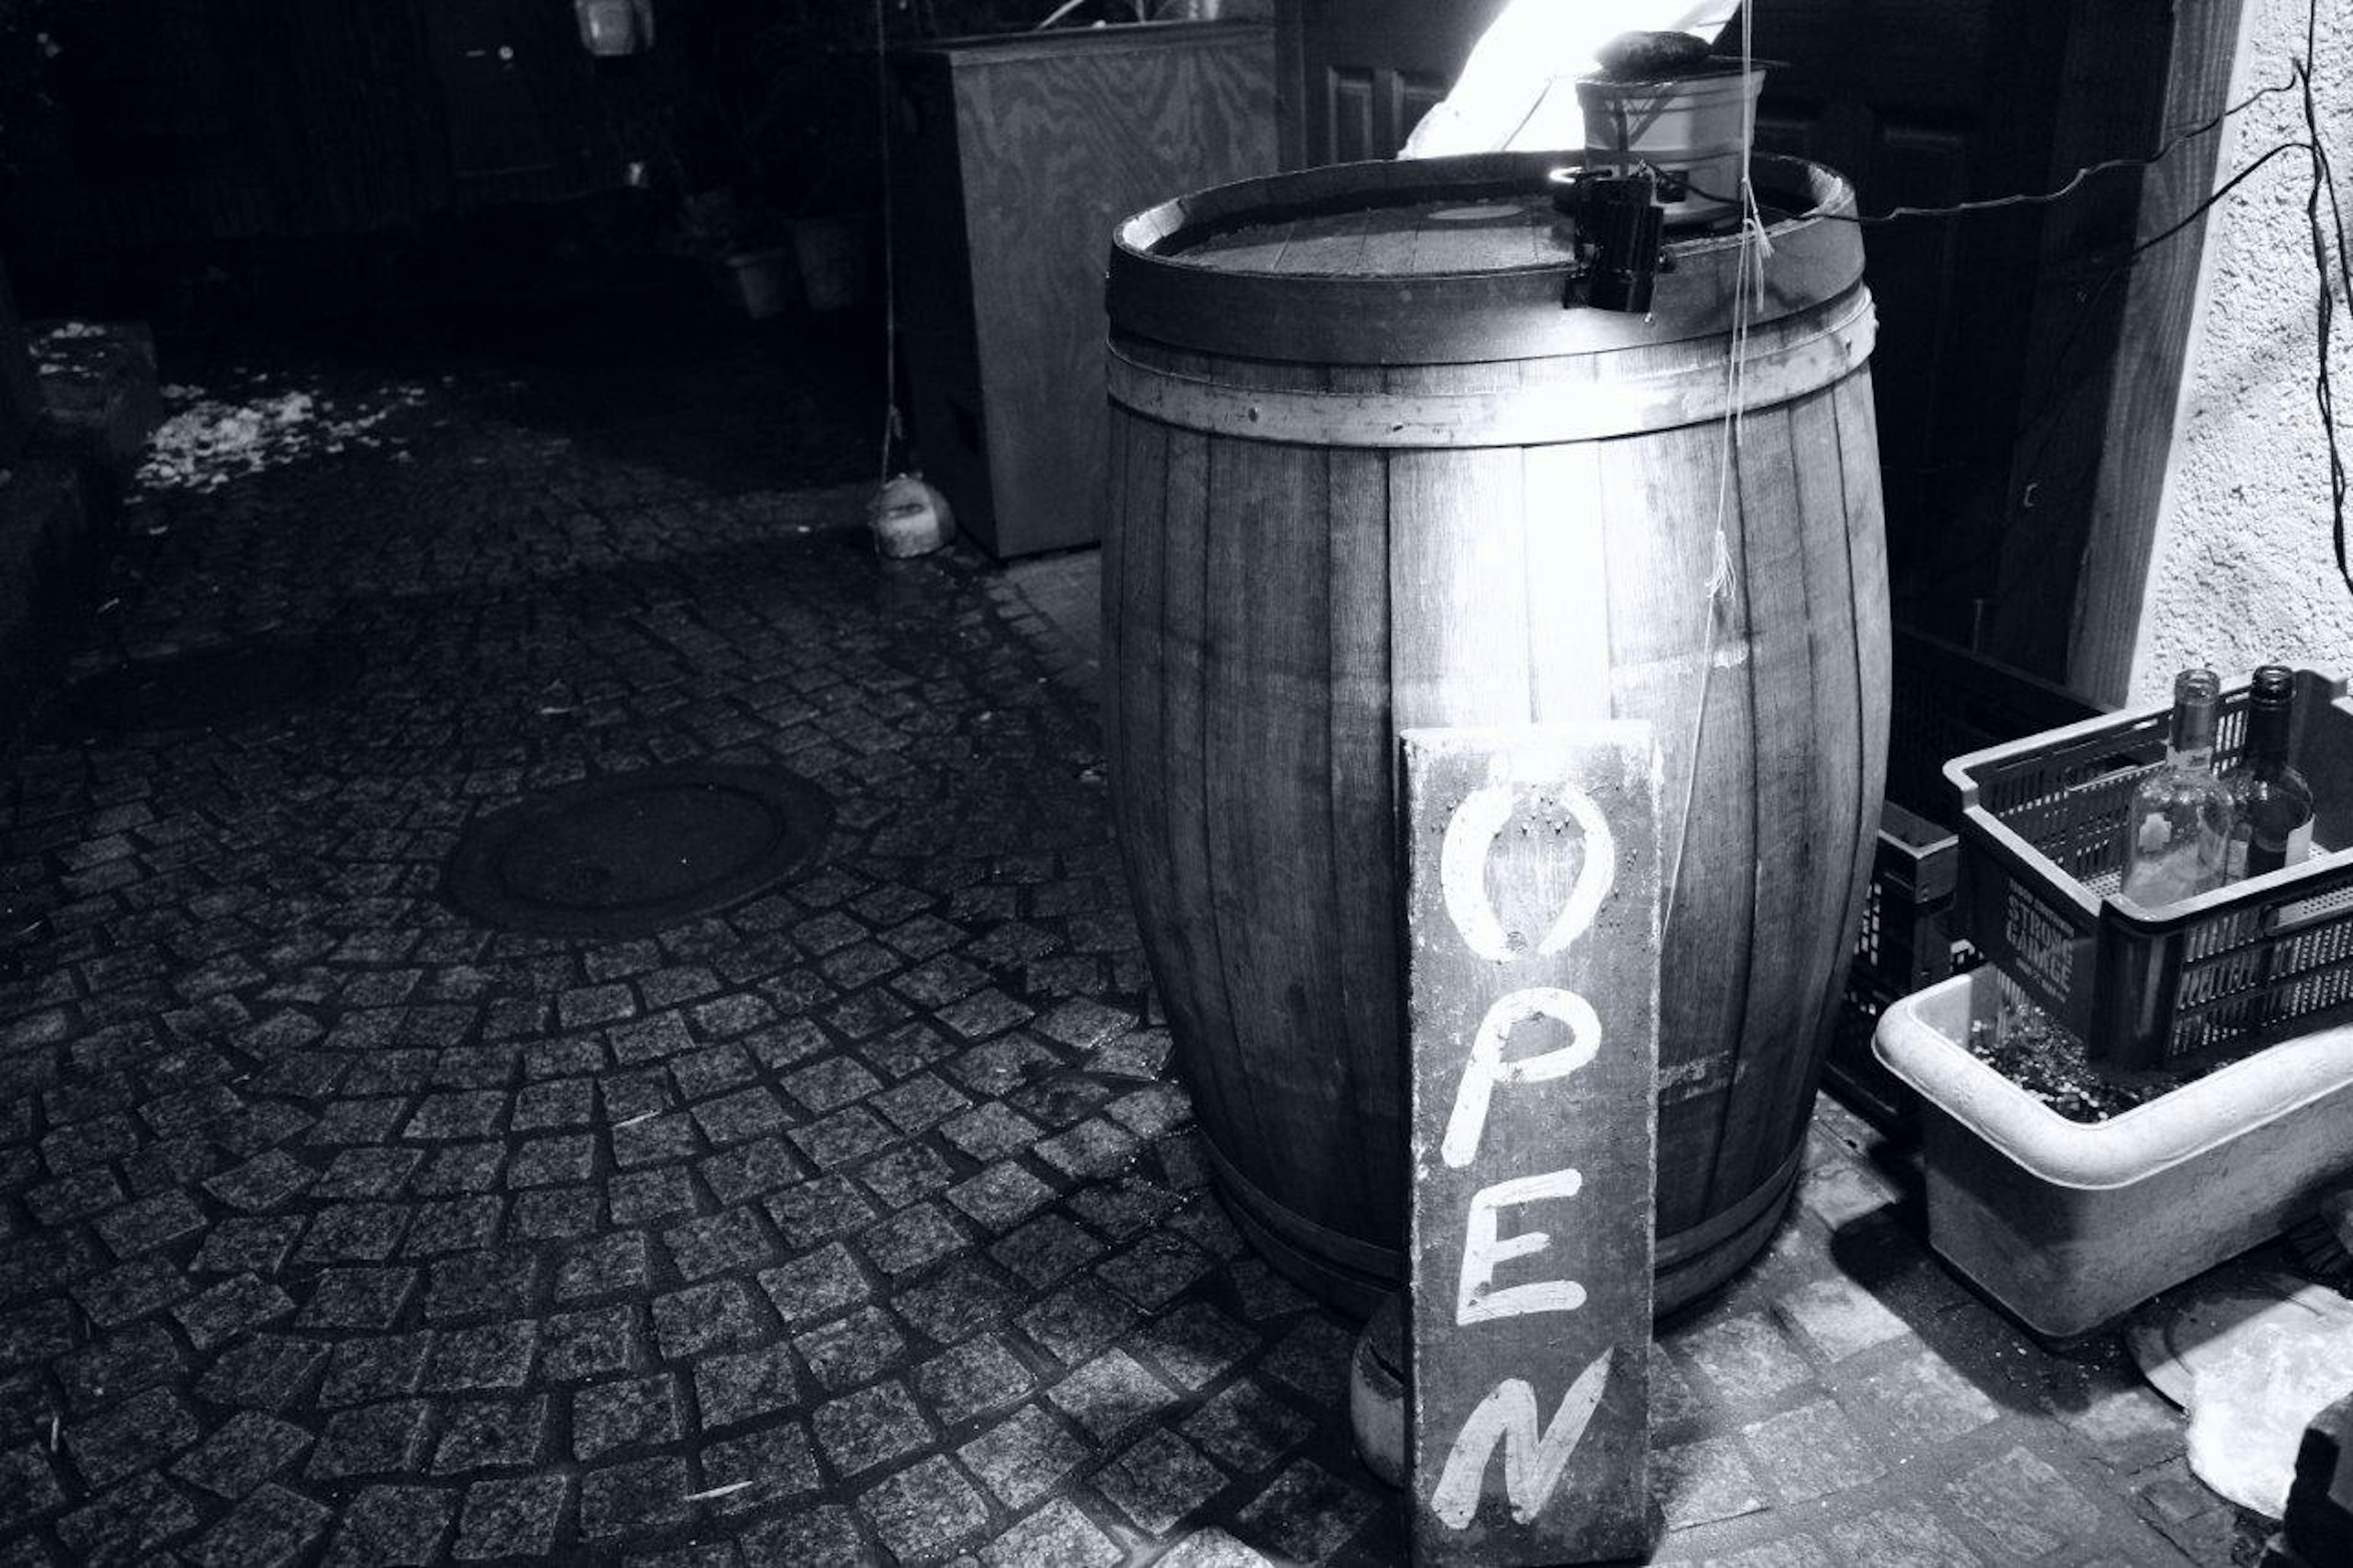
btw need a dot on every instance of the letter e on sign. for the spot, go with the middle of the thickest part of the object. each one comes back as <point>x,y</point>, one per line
<point>1532,986</point>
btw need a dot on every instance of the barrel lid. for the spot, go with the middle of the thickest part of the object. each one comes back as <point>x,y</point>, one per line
<point>1486,232</point>
<point>1443,259</point>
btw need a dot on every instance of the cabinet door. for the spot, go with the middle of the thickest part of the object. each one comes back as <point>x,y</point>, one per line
<point>1356,75</point>
<point>513,79</point>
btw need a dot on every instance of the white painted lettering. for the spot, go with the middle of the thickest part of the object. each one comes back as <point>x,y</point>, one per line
<point>1532,1467</point>
<point>1487,1068</point>
<point>1471,835</point>
<point>1476,1300</point>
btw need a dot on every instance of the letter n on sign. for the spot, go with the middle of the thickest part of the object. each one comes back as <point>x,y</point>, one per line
<point>1532,918</point>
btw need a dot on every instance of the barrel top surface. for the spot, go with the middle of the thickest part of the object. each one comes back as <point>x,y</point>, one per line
<point>986,49</point>
<point>1445,236</point>
<point>1447,260</point>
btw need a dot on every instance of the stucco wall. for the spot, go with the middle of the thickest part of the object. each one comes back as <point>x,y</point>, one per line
<point>2242,570</point>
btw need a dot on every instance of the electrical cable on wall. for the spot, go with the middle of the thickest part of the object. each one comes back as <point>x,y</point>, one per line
<point>2117,266</point>
<point>2324,182</point>
<point>1756,248</point>
<point>2323,186</point>
<point>2074,182</point>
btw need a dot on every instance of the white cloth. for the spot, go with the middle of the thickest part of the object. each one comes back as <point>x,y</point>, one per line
<point>2249,1406</point>
<point>1518,89</point>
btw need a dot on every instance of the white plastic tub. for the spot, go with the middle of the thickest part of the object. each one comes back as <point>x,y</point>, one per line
<point>2068,1222</point>
<point>1695,126</point>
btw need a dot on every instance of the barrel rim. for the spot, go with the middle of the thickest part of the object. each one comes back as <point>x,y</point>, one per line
<point>1514,312</point>
<point>1795,357</point>
<point>1202,214</point>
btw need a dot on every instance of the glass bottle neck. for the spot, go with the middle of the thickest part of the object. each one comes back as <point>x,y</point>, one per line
<point>2189,743</point>
<point>2267,734</point>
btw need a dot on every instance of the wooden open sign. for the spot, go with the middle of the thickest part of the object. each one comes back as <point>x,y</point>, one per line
<point>1533,918</point>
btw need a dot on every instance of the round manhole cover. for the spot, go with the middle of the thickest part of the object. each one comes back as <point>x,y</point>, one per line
<point>214,688</point>
<point>629,855</point>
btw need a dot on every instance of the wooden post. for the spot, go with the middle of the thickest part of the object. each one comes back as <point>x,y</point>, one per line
<point>2143,401</point>
<point>20,390</point>
<point>1532,925</point>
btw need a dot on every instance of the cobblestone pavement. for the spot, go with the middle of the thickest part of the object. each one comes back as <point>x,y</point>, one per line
<point>861,1224</point>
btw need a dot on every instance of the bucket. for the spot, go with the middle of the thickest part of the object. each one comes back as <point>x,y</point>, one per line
<point>765,282</point>
<point>1691,125</point>
<point>611,27</point>
<point>837,260</point>
<point>1368,473</point>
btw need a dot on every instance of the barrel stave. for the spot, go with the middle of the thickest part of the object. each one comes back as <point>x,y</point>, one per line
<point>1842,818</point>
<point>1359,799</point>
<point>1802,831</point>
<point>1167,639</point>
<point>1266,773</point>
<point>1678,655</point>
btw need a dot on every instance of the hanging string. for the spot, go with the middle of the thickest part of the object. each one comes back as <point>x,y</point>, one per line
<point>1723,580</point>
<point>891,422</point>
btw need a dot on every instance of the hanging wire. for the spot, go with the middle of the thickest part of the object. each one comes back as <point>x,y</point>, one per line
<point>2324,185</point>
<point>2200,210</point>
<point>2074,182</point>
<point>891,424</point>
<point>2117,267</point>
<point>2120,265</point>
<point>1723,580</point>
<point>1756,248</point>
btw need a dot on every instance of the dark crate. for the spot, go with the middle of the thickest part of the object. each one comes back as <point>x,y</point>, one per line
<point>1947,702</point>
<point>1905,944</point>
<point>2041,853</point>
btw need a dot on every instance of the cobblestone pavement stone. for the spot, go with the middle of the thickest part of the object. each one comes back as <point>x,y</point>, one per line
<point>860,1223</point>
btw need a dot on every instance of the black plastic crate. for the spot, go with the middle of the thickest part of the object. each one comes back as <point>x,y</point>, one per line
<point>1906,943</point>
<point>1946,702</point>
<point>2042,854</point>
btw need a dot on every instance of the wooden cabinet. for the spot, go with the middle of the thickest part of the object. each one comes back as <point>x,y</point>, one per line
<point>1013,157</point>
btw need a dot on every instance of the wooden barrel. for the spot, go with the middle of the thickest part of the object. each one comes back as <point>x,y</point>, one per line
<point>1369,472</point>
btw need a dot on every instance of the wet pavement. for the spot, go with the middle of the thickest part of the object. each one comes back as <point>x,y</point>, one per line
<point>860,1223</point>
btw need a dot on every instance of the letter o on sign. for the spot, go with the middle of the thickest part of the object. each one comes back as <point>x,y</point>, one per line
<point>1463,872</point>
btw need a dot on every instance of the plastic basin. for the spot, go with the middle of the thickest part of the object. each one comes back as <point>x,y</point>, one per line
<point>2067,1224</point>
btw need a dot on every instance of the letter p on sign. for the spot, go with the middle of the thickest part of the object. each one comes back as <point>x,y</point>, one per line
<point>1532,913</point>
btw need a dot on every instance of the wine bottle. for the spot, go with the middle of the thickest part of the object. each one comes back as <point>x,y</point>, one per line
<point>2177,827</point>
<point>2271,802</point>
